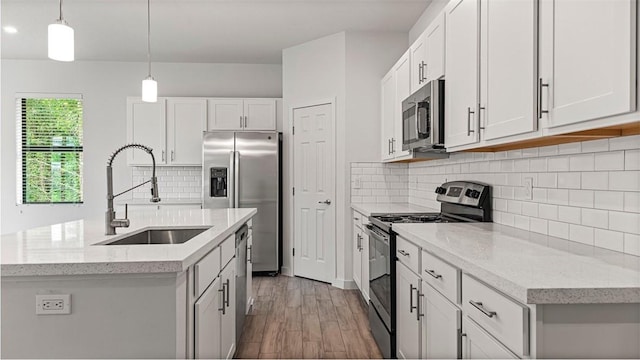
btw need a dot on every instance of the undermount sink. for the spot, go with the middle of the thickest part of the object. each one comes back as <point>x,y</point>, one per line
<point>158,236</point>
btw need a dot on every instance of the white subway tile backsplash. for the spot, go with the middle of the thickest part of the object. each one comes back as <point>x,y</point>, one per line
<point>595,180</point>
<point>609,200</point>
<point>579,190</point>
<point>609,161</point>
<point>584,162</point>
<point>175,182</point>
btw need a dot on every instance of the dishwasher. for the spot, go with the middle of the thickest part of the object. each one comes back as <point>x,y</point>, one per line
<point>241,278</point>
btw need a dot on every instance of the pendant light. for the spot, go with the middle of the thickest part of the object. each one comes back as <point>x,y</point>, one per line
<point>149,85</point>
<point>61,40</point>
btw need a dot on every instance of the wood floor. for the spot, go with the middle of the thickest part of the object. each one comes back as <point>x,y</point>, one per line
<point>297,318</point>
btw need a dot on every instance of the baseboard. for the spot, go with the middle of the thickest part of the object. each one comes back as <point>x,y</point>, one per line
<point>344,284</point>
<point>286,271</point>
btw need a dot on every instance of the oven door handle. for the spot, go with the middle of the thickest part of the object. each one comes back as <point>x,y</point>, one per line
<point>369,231</point>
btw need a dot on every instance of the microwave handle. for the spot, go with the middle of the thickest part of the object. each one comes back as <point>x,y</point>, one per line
<point>417,122</point>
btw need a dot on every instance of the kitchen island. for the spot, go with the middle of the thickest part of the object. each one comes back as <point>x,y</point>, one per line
<point>126,301</point>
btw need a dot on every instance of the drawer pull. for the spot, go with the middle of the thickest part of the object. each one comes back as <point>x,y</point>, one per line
<point>433,273</point>
<point>223,307</point>
<point>403,253</point>
<point>411,306</point>
<point>226,284</point>
<point>478,305</point>
<point>418,315</point>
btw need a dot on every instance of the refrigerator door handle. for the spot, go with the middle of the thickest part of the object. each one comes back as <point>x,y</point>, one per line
<point>231,181</point>
<point>236,179</point>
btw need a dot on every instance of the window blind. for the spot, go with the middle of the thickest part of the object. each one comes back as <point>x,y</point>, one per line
<point>50,150</point>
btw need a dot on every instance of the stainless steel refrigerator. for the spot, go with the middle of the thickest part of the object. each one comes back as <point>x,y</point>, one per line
<point>243,170</point>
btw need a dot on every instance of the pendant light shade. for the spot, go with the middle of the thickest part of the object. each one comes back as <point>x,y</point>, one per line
<point>149,85</point>
<point>61,42</point>
<point>149,90</point>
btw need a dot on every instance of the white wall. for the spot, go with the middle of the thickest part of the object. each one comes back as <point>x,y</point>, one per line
<point>105,86</point>
<point>426,19</point>
<point>346,66</point>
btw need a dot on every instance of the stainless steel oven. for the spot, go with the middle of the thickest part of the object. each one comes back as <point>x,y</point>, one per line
<point>382,289</point>
<point>423,119</point>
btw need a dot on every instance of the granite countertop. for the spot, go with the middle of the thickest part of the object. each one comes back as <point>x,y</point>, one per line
<point>369,209</point>
<point>532,268</point>
<point>164,201</point>
<point>69,248</point>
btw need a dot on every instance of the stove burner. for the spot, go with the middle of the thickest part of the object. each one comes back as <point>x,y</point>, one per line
<point>423,218</point>
<point>390,218</point>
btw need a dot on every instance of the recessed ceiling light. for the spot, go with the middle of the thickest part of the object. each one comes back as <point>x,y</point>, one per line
<point>10,29</point>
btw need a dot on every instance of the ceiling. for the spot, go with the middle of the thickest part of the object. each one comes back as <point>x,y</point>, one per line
<point>202,31</point>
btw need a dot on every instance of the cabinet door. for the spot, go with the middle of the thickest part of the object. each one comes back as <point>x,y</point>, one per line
<point>407,318</point>
<point>434,41</point>
<point>588,59</point>
<point>461,90</point>
<point>146,125</point>
<point>186,120</point>
<point>508,67</point>
<point>208,317</point>
<point>249,272</point>
<point>403,90</point>
<point>441,326</point>
<point>357,256</point>
<point>418,62</point>
<point>228,322</point>
<point>478,344</point>
<point>259,114</point>
<point>225,114</point>
<point>388,85</point>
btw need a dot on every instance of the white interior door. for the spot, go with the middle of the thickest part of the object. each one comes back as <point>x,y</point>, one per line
<point>314,181</point>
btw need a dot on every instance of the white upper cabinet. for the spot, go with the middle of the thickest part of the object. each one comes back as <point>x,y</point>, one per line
<point>225,114</point>
<point>388,113</point>
<point>435,41</point>
<point>418,60</point>
<point>508,71</point>
<point>146,125</point>
<point>241,114</point>
<point>403,90</point>
<point>461,89</point>
<point>259,114</point>
<point>186,120</point>
<point>587,59</point>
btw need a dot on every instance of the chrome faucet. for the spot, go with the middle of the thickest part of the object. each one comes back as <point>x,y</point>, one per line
<point>111,223</point>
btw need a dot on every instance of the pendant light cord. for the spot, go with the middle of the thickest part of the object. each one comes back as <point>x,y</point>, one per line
<point>60,4</point>
<point>148,35</point>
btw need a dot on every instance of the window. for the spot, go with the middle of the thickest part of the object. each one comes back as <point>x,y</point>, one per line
<point>49,149</point>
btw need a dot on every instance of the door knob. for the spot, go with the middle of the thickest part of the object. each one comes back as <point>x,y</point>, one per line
<point>328,202</point>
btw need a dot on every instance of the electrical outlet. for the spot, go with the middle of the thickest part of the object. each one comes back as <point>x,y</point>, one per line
<point>528,188</point>
<point>357,182</point>
<point>53,304</point>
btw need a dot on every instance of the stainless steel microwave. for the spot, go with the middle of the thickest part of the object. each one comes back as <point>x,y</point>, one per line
<point>423,119</point>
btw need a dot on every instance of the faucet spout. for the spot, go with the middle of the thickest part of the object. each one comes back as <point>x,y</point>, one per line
<point>111,223</point>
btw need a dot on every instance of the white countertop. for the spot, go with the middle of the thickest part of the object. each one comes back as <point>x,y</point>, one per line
<point>532,268</point>
<point>68,248</point>
<point>369,209</point>
<point>164,201</point>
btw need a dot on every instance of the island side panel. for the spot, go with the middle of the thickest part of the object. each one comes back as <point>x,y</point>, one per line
<point>586,331</point>
<point>112,316</point>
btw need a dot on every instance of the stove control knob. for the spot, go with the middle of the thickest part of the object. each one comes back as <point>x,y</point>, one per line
<point>468,193</point>
<point>440,190</point>
<point>475,194</point>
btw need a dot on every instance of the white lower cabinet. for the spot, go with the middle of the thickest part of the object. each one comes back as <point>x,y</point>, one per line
<point>478,344</point>
<point>360,254</point>
<point>228,322</point>
<point>208,319</point>
<point>441,326</point>
<point>408,316</point>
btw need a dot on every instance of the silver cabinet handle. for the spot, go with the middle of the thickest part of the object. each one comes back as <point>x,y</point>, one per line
<point>469,112</point>
<point>162,155</point>
<point>249,253</point>
<point>327,202</point>
<point>434,274</point>
<point>411,306</point>
<point>403,253</point>
<point>418,314</point>
<point>240,121</point>
<point>482,108</point>
<point>389,146</point>
<point>393,145</point>
<point>420,72</point>
<point>478,305</point>
<point>424,72</point>
<point>540,110</point>
<point>358,244</point>
<point>355,218</point>
<point>226,301</point>
<point>172,155</point>
<point>245,121</point>
<point>223,308</point>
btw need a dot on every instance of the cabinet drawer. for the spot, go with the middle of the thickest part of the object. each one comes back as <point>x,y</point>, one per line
<point>408,254</point>
<point>206,270</point>
<point>442,276</point>
<point>227,250</point>
<point>502,317</point>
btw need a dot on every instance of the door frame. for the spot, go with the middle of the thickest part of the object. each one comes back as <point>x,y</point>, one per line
<point>291,226</point>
